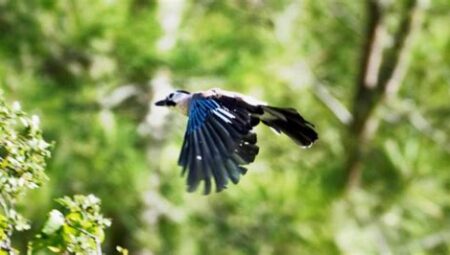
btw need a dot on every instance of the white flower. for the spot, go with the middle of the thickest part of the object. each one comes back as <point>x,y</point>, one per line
<point>16,106</point>
<point>35,121</point>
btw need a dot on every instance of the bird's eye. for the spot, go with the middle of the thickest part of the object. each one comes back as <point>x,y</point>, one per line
<point>170,95</point>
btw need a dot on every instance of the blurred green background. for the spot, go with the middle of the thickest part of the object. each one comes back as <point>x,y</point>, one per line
<point>90,70</point>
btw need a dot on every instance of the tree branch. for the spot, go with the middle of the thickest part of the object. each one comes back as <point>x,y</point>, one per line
<point>333,104</point>
<point>396,66</point>
<point>381,74</point>
<point>370,64</point>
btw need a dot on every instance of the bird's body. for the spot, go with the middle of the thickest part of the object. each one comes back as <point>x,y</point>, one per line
<point>219,138</point>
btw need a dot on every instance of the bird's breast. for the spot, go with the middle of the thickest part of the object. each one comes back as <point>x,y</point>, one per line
<point>183,107</point>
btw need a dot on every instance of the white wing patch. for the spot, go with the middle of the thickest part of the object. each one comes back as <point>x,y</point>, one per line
<point>224,115</point>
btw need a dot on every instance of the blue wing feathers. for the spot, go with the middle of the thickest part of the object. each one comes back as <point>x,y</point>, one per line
<point>214,160</point>
<point>223,134</point>
<point>219,146</point>
<point>193,178</point>
<point>217,142</point>
<point>205,158</point>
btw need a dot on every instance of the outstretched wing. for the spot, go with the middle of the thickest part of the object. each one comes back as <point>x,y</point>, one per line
<point>217,142</point>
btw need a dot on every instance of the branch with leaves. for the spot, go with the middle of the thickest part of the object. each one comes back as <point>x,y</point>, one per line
<point>76,229</point>
<point>23,152</point>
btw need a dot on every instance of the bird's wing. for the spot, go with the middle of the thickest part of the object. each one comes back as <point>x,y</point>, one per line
<point>217,142</point>
<point>282,120</point>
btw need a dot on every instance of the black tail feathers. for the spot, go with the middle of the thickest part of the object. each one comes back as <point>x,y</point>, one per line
<point>289,122</point>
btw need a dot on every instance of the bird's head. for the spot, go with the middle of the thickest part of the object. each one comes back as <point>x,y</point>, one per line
<point>174,98</point>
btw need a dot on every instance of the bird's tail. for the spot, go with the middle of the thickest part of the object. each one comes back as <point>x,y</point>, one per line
<point>291,123</point>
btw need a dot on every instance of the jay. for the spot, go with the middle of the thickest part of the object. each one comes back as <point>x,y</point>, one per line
<point>219,141</point>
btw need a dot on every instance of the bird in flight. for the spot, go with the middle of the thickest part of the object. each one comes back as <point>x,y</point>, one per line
<point>219,140</point>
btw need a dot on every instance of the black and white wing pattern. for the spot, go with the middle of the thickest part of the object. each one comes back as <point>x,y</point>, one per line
<point>217,143</point>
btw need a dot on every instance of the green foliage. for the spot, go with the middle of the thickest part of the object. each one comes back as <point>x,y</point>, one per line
<point>23,151</point>
<point>22,163</point>
<point>78,229</point>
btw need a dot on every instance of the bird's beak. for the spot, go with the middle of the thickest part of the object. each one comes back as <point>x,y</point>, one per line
<point>161,103</point>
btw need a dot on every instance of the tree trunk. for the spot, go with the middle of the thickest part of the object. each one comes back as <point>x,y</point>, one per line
<point>381,74</point>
